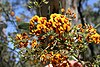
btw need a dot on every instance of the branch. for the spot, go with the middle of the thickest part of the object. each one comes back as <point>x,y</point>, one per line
<point>80,13</point>
<point>98,25</point>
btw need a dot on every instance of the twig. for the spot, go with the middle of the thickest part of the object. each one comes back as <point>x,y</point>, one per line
<point>80,13</point>
<point>97,25</point>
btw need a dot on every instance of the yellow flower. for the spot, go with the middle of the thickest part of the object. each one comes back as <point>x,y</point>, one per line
<point>57,19</point>
<point>37,32</point>
<point>12,13</point>
<point>62,16</point>
<point>65,26</point>
<point>19,37</point>
<point>92,30</point>
<point>74,16</point>
<point>79,38</point>
<point>58,55</point>
<point>42,20</point>
<point>34,43</point>
<point>81,30</point>
<point>54,24</point>
<point>68,28</point>
<point>79,25</point>
<point>24,35</point>
<point>23,44</point>
<point>22,39</point>
<point>53,16</point>
<point>35,18</point>
<point>62,10</point>
<point>88,37</point>
<point>96,38</point>
<point>58,24</point>
<point>41,26</point>
<point>69,11</point>
<point>18,19</point>
<point>61,29</point>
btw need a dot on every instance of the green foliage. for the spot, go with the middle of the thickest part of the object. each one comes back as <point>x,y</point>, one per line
<point>24,26</point>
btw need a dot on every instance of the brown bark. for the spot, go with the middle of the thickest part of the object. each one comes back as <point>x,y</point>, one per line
<point>54,7</point>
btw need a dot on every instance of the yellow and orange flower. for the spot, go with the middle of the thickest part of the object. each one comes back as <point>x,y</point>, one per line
<point>96,38</point>
<point>62,10</point>
<point>35,18</point>
<point>18,19</point>
<point>34,43</point>
<point>22,39</point>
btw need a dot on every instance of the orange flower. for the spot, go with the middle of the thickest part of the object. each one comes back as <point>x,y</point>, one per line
<point>18,19</point>
<point>59,60</point>
<point>96,38</point>
<point>23,44</point>
<point>74,16</point>
<point>19,37</point>
<point>68,28</point>
<point>57,19</point>
<point>61,30</point>
<point>88,38</point>
<point>32,22</point>
<point>35,18</point>
<point>37,32</point>
<point>54,24</point>
<point>81,30</point>
<point>79,25</point>
<point>12,13</point>
<point>51,37</point>
<point>41,26</point>
<point>69,11</point>
<point>91,29</point>
<point>62,10</point>
<point>42,20</point>
<point>65,26</point>
<point>25,35</point>
<point>53,16</point>
<point>58,24</point>
<point>22,39</point>
<point>79,38</point>
<point>34,43</point>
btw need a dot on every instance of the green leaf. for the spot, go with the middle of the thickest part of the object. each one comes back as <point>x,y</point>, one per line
<point>46,2</point>
<point>24,26</point>
<point>36,3</point>
<point>72,58</point>
<point>57,39</point>
<point>30,6</point>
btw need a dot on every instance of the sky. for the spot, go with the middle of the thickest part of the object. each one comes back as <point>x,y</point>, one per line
<point>91,2</point>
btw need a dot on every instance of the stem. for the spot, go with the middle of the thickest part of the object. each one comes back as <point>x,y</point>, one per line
<point>78,60</point>
<point>40,11</point>
<point>80,13</point>
<point>97,25</point>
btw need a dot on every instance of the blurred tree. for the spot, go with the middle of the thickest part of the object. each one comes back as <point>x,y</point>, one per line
<point>92,14</point>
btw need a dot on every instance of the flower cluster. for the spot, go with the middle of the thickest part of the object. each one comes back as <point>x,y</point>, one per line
<point>22,39</point>
<point>57,60</point>
<point>57,22</point>
<point>96,38</point>
<point>57,35</point>
<point>92,35</point>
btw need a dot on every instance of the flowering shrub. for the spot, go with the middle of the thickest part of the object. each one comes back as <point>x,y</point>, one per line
<point>56,41</point>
